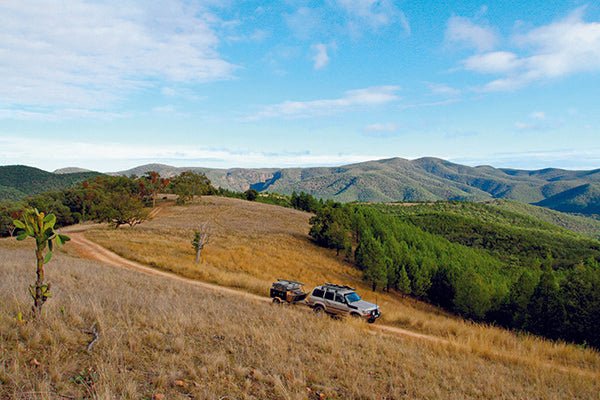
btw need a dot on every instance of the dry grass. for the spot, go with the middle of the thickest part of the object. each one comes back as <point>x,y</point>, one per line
<point>253,244</point>
<point>158,336</point>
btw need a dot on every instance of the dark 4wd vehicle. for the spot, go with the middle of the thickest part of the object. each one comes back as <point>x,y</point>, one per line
<point>284,291</point>
<point>342,300</point>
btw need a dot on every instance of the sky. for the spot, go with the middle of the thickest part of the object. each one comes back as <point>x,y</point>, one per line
<point>109,85</point>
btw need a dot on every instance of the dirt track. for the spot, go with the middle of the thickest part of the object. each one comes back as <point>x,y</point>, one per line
<point>90,250</point>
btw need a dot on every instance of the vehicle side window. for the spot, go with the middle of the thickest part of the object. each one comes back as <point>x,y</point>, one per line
<point>339,298</point>
<point>329,296</point>
<point>317,293</point>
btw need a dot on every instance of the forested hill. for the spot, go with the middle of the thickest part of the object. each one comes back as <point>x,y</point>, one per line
<point>18,181</point>
<point>423,179</point>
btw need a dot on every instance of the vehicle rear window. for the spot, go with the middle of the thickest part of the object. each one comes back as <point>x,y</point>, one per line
<point>317,293</point>
<point>329,296</point>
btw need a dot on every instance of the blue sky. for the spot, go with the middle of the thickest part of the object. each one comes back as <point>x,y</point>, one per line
<point>109,85</point>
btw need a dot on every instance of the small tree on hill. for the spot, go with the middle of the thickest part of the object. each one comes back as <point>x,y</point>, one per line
<point>189,184</point>
<point>41,228</point>
<point>153,184</point>
<point>201,239</point>
<point>251,194</point>
<point>121,208</point>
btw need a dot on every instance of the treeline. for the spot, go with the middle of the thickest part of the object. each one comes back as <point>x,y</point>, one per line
<point>116,200</point>
<point>300,201</point>
<point>396,255</point>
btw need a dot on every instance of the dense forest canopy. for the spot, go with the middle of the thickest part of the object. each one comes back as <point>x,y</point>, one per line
<point>499,267</point>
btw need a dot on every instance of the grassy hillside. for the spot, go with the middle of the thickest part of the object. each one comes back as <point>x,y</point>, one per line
<point>254,244</point>
<point>397,179</point>
<point>18,181</point>
<point>169,338</point>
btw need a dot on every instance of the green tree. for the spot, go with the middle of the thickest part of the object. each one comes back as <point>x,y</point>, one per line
<point>519,298</point>
<point>472,298</point>
<point>120,208</point>
<point>580,292</point>
<point>403,282</point>
<point>40,227</point>
<point>189,184</point>
<point>329,227</point>
<point>304,202</point>
<point>8,213</point>
<point>251,194</point>
<point>370,257</point>
<point>153,184</point>
<point>546,310</point>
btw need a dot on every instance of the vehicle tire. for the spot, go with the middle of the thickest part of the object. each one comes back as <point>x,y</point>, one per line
<point>276,300</point>
<point>319,310</point>
<point>371,320</point>
<point>355,315</point>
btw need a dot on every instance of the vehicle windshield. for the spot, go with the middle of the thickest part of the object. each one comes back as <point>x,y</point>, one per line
<point>352,297</point>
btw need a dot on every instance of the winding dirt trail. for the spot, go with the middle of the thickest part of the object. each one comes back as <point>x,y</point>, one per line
<point>85,248</point>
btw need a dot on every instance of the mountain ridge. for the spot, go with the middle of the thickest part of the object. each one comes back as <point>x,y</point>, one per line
<point>398,179</point>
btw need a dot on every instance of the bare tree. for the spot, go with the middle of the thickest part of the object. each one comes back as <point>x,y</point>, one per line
<point>201,239</point>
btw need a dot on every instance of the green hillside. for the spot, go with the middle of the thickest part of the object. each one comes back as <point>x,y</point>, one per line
<point>576,223</point>
<point>515,237</point>
<point>18,181</point>
<point>584,199</point>
<point>397,179</point>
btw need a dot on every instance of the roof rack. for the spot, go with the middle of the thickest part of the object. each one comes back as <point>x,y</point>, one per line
<point>336,286</point>
<point>288,281</point>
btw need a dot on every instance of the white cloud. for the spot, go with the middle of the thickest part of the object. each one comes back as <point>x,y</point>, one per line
<point>463,31</point>
<point>556,50</point>
<point>85,54</point>
<point>374,14</point>
<point>321,55</point>
<point>371,96</point>
<point>389,127</point>
<point>304,22</point>
<point>494,62</point>
<point>53,115</point>
<point>320,58</point>
<point>443,89</point>
<point>538,121</point>
<point>119,156</point>
<point>538,115</point>
<point>381,129</point>
<point>561,158</point>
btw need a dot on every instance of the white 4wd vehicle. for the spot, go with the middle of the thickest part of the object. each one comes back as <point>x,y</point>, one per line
<point>341,300</point>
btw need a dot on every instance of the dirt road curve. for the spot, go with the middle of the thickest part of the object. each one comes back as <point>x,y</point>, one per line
<point>90,250</point>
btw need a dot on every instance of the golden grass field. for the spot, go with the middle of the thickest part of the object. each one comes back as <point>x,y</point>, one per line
<point>160,336</point>
<point>253,244</point>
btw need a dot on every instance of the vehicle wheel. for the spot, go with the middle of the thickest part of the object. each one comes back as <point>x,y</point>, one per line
<point>318,310</point>
<point>355,315</point>
<point>371,320</point>
<point>276,300</point>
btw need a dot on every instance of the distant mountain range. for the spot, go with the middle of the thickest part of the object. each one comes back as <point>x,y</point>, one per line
<point>19,181</point>
<point>395,179</point>
<point>423,179</point>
